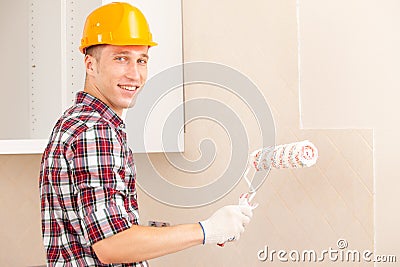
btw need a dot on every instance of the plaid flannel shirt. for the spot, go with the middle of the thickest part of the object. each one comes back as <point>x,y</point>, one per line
<point>87,184</point>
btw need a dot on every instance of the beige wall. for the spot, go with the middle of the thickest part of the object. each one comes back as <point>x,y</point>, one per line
<point>299,209</point>
<point>20,232</point>
<point>350,79</point>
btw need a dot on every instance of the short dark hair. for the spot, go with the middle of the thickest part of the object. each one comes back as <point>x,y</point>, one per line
<point>94,51</point>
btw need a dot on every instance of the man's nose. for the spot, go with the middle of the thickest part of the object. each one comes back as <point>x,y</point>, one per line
<point>133,71</point>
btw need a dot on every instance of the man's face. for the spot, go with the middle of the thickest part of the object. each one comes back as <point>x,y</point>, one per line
<point>118,73</point>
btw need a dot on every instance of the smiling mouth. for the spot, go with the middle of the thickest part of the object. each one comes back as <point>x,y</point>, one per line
<point>129,88</point>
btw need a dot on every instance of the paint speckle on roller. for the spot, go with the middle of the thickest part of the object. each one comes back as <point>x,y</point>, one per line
<point>293,155</point>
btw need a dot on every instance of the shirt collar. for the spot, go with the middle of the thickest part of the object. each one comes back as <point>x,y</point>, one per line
<point>105,111</point>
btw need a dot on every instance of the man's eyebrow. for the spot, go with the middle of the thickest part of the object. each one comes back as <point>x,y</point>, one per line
<point>129,53</point>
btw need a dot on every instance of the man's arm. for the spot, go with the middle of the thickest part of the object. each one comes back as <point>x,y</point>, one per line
<point>94,157</point>
<point>144,242</point>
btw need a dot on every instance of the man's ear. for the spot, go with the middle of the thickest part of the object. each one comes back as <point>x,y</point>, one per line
<point>90,64</point>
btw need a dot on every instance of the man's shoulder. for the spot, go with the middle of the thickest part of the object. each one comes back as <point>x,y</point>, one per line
<point>78,119</point>
<point>82,115</point>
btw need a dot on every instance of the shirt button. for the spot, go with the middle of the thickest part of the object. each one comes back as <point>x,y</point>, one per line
<point>122,126</point>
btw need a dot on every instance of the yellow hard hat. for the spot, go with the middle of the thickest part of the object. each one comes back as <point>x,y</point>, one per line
<point>117,24</point>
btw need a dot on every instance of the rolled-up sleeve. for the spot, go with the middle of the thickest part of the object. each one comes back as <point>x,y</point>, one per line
<point>97,161</point>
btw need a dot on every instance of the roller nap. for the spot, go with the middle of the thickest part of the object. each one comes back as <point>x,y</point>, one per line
<point>293,155</point>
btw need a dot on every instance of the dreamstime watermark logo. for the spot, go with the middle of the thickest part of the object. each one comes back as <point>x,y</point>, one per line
<point>339,254</point>
<point>342,243</point>
<point>208,108</point>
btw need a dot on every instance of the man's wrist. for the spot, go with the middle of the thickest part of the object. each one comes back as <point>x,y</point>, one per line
<point>204,233</point>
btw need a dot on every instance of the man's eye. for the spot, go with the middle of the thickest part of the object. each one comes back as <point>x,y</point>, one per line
<point>121,59</point>
<point>142,61</point>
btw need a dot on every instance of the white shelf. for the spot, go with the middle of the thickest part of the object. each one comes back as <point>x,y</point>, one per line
<point>23,146</point>
<point>43,69</point>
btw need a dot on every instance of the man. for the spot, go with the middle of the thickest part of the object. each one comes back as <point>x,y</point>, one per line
<point>87,180</point>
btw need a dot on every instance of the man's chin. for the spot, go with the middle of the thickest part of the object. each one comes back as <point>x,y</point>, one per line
<point>132,103</point>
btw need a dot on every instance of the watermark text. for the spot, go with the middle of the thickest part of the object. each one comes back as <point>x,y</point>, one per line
<point>341,253</point>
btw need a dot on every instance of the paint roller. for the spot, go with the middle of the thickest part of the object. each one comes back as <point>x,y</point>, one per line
<point>294,155</point>
<point>287,156</point>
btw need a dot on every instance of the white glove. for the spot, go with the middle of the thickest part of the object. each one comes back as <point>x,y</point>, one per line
<point>226,224</point>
